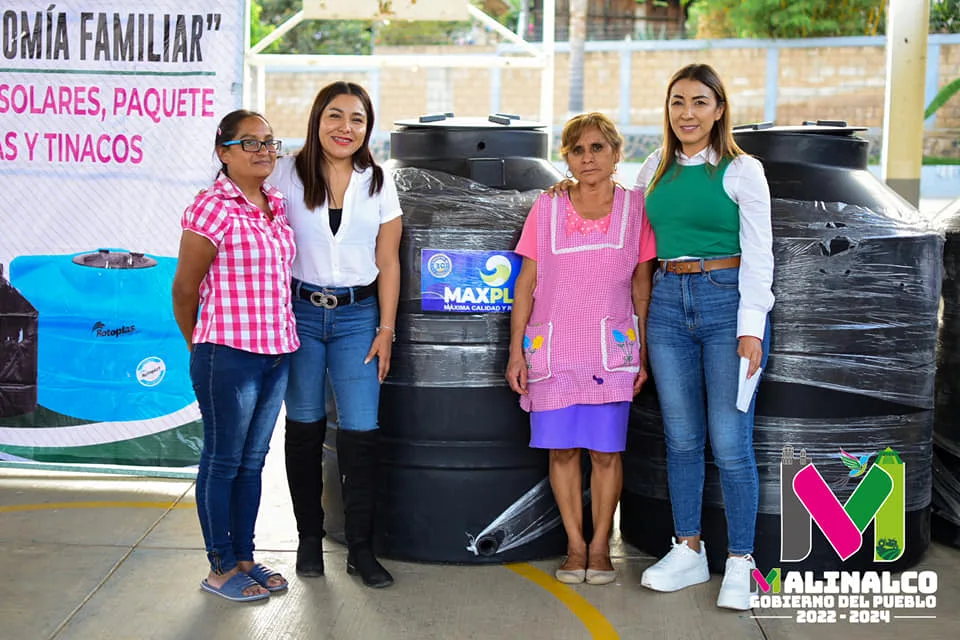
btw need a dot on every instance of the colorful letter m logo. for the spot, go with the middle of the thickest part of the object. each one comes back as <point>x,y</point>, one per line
<point>805,497</point>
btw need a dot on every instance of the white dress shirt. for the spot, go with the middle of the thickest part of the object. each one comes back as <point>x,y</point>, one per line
<point>745,184</point>
<point>347,259</point>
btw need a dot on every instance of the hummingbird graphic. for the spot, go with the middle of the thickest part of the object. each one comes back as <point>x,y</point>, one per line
<point>857,466</point>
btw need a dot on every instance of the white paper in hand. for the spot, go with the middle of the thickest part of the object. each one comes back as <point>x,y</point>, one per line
<point>746,386</point>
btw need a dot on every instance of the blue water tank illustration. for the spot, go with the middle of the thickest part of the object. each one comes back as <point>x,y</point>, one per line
<point>109,347</point>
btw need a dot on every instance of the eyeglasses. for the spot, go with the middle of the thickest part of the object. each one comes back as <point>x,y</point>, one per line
<point>254,146</point>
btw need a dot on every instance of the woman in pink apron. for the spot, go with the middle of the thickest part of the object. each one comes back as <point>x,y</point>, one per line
<point>577,347</point>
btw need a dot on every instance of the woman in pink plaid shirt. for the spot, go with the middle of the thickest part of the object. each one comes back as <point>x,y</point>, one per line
<point>231,297</point>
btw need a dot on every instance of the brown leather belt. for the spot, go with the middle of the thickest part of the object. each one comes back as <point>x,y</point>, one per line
<point>693,266</point>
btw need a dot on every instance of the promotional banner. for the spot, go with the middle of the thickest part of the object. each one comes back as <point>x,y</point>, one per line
<point>108,112</point>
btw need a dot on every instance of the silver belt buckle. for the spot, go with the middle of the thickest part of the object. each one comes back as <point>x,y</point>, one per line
<point>320,299</point>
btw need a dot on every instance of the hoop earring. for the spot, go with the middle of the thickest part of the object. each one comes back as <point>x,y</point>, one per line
<point>568,174</point>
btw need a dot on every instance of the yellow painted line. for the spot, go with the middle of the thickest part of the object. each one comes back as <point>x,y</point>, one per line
<point>598,626</point>
<point>50,506</point>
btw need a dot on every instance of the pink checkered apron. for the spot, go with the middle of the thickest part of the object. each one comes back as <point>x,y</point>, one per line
<point>581,343</point>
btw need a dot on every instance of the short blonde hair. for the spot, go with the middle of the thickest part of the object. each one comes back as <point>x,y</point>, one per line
<point>578,124</point>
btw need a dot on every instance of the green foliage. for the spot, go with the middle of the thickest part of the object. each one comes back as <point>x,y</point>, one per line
<point>511,17</point>
<point>260,30</point>
<point>353,36</point>
<point>403,33</point>
<point>787,18</point>
<point>310,36</point>
<point>944,16</point>
<point>941,98</point>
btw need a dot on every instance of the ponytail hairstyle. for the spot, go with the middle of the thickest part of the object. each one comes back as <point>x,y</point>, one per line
<point>227,130</point>
<point>310,162</point>
<point>721,136</point>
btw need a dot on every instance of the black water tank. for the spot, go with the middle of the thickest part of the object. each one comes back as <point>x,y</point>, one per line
<point>857,283</point>
<point>18,352</point>
<point>459,483</point>
<point>946,428</point>
<point>500,151</point>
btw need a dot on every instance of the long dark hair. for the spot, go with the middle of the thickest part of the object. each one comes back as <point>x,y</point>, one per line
<point>310,162</point>
<point>227,130</point>
<point>721,135</point>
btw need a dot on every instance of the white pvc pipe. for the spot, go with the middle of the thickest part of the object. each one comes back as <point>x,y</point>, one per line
<point>903,103</point>
<point>547,81</point>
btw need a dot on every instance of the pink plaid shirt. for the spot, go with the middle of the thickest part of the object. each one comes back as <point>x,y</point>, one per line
<point>245,296</point>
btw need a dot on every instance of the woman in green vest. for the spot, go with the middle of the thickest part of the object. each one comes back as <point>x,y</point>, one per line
<point>709,206</point>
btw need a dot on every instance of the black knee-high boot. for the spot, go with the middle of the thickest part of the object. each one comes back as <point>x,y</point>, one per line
<point>303,447</point>
<point>358,453</point>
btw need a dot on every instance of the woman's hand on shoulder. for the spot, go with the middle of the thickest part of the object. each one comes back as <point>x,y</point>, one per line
<point>561,187</point>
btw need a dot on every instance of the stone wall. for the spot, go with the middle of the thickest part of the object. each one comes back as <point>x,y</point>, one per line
<point>824,82</point>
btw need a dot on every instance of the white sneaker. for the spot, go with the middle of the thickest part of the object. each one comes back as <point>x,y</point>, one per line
<point>735,590</point>
<point>682,567</point>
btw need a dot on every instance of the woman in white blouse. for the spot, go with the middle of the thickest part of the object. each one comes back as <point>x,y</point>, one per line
<point>709,206</point>
<point>345,214</point>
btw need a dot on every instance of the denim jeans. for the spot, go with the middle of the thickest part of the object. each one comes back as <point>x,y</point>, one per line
<point>240,394</point>
<point>335,342</point>
<point>692,345</point>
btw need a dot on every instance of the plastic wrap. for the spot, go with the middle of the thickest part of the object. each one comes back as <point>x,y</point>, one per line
<point>18,352</point>
<point>447,212</point>
<point>456,440</point>
<point>822,439</point>
<point>947,424</point>
<point>533,515</point>
<point>946,461</point>
<point>852,360</point>
<point>857,294</point>
<point>946,488</point>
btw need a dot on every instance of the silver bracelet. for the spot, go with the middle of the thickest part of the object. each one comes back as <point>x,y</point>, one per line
<point>390,329</point>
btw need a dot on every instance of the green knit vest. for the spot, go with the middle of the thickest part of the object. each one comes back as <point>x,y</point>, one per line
<point>692,215</point>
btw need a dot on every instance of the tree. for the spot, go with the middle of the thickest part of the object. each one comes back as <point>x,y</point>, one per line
<point>354,37</point>
<point>945,16</point>
<point>793,19</point>
<point>311,36</point>
<point>578,36</point>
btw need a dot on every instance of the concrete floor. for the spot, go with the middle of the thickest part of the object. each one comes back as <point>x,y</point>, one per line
<point>105,557</point>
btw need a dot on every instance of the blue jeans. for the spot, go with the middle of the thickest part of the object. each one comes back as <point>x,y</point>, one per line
<point>335,342</point>
<point>692,345</point>
<point>240,394</point>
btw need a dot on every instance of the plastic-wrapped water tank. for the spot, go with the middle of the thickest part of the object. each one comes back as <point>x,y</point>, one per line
<point>109,347</point>
<point>18,352</point>
<point>851,368</point>
<point>946,472</point>
<point>459,482</point>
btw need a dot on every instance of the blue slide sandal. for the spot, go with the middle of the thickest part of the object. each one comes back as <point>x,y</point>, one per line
<point>261,574</point>
<point>233,588</point>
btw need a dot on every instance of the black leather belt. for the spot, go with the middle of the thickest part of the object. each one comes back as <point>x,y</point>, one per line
<point>328,297</point>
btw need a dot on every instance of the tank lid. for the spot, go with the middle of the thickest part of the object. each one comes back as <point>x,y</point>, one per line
<point>450,121</point>
<point>116,259</point>
<point>829,127</point>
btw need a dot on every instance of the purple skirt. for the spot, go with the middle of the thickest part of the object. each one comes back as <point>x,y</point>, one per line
<point>598,427</point>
